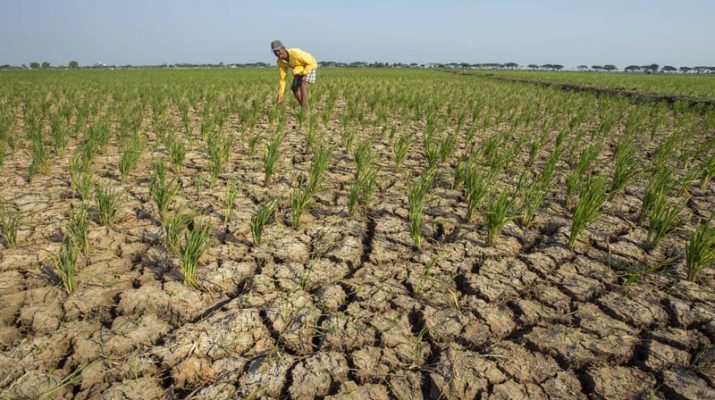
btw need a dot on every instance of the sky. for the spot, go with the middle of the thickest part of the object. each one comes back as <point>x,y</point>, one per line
<point>151,32</point>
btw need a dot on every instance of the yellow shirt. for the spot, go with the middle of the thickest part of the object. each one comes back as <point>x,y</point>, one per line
<point>300,61</point>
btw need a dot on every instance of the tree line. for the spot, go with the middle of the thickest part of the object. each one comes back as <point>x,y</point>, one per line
<point>650,68</point>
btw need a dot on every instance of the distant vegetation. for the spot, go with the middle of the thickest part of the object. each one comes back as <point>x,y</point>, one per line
<point>649,69</point>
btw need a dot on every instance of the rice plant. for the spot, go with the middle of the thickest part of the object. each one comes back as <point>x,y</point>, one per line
<point>575,180</point>
<point>446,147</point>
<point>219,150</point>
<point>131,153</point>
<point>627,166</point>
<point>40,157</point>
<point>664,218</point>
<point>321,161</point>
<point>362,188</point>
<point>161,191</point>
<point>99,134</point>
<point>271,156</point>
<point>230,199</point>
<point>531,196</point>
<point>401,146</point>
<point>497,214</point>
<point>300,198</point>
<point>66,266</point>
<point>416,196</point>
<point>700,250</point>
<point>174,226</point>
<point>59,133</point>
<point>77,228</point>
<point>589,206</point>
<point>707,170</point>
<point>657,187</point>
<point>177,154</point>
<point>107,204</point>
<point>196,242</point>
<point>9,221</point>
<point>476,186</point>
<point>261,218</point>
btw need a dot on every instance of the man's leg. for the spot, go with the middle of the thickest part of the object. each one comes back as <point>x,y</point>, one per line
<point>304,93</point>
<point>297,83</point>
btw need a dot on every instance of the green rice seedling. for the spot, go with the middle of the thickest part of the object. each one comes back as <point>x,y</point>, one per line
<point>401,147</point>
<point>707,170</point>
<point>261,219</point>
<point>99,134</point>
<point>476,186</point>
<point>219,149</point>
<point>230,199</point>
<point>199,183</point>
<point>300,198</point>
<point>174,226</point>
<point>363,156</point>
<point>658,185</point>
<point>347,137</point>
<point>432,153</point>
<point>362,188</point>
<point>271,156</point>
<point>446,147</point>
<point>589,206</point>
<point>9,221</point>
<point>635,276</point>
<point>40,158</point>
<point>195,243</point>
<point>177,154</point>
<point>416,196</point>
<point>497,214</point>
<point>84,183</point>
<point>664,218</point>
<point>161,191</point>
<point>321,161</point>
<point>575,180</point>
<point>253,140</point>
<point>66,266</point>
<point>131,153</point>
<point>424,275</point>
<point>107,204</point>
<point>700,250</point>
<point>627,166</point>
<point>77,228</point>
<point>59,133</point>
<point>531,196</point>
<point>365,175</point>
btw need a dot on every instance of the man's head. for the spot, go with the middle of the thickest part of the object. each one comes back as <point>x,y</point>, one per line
<point>278,49</point>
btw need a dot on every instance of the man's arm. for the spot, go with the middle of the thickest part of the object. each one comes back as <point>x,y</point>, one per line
<point>306,62</point>
<point>282,72</point>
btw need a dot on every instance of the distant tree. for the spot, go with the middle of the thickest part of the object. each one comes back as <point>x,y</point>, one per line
<point>73,64</point>
<point>610,67</point>
<point>558,67</point>
<point>511,65</point>
<point>582,67</point>
<point>650,68</point>
<point>632,68</point>
<point>685,70</point>
<point>596,67</point>
<point>668,68</point>
<point>532,66</point>
<point>34,65</point>
<point>45,65</point>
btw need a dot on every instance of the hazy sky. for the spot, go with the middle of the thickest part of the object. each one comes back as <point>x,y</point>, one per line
<point>573,32</point>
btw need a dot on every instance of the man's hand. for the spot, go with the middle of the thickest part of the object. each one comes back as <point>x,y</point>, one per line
<point>280,100</point>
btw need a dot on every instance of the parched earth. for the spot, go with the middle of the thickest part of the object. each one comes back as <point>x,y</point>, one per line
<point>345,306</point>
